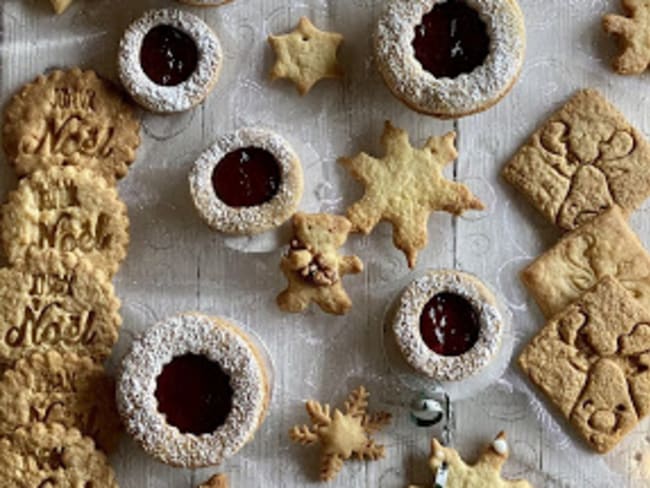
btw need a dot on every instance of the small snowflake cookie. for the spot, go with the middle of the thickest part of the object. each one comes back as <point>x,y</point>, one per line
<point>193,390</point>
<point>247,182</point>
<point>633,31</point>
<point>169,60</point>
<point>342,434</point>
<point>448,325</point>
<point>450,58</point>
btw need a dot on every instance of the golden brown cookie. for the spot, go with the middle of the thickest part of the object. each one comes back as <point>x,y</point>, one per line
<point>71,118</point>
<point>206,3</point>
<point>50,455</point>
<point>585,159</point>
<point>53,303</point>
<point>633,32</point>
<point>342,435</point>
<point>313,266</point>
<point>217,481</point>
<point>62,388</point>
<point>452,472</point>
<point>604,246</point>
<point>592,361</point>
<point>68,210</point>
<point>405,186</point>
<point>60,5</point>
<point>306,55</point>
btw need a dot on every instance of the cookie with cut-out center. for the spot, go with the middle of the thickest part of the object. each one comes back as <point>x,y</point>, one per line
<point>342,434</point>
<point>313,266</point>
<point>306,56</point>
<point>71,118</point>
<point>452,472</point>
<point>51,455</point>
<point>67,210</point>
<point>633,32</point>
<point>585,159</point>
<point>62,388</point>
<point>405,187</point>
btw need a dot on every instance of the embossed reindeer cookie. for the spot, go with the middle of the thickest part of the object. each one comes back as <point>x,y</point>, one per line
<point>71,118</point>
<point>67,210</point>
<point>60,304</point>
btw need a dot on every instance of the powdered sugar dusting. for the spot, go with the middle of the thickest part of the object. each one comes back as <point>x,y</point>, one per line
<point>247,220</point>
<point>219,342</point>
<point>450,97</point>
<point>170,99</point>
<point>406,325</point>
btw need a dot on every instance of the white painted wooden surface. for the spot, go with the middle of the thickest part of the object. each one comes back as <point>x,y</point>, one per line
<point>175,263</point>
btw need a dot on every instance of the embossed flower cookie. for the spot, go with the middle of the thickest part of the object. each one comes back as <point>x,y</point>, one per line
<point>193,390</point>
<point>247,182</point>
<point>51,455</point>
<point>49,303</point>
<point>71,118</point>
<point>584,160</point>
<point>450,58</point>
<point>67,210</point>
<point>448,325</point>
<point>169,60</point>
<point>62,388</point>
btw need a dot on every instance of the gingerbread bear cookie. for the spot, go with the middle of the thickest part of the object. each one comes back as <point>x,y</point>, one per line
<point>314,267</point>
<point>452,472</point>
<point>342,434</point>
<point>633,31</point>
<point>405,186</point>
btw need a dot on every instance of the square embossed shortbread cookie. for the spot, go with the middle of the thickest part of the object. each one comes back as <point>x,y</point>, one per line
<point>604,246</point>
<point>585,159</point>
<point>592,361</point>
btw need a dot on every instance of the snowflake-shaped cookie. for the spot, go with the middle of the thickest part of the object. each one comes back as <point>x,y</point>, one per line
<point>405,186</point>
<point>306,55</point>
<point>633,31</point>
<point>342,434</point>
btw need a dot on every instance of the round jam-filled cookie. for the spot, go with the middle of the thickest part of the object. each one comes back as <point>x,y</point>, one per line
<point>169,60</point>
<point>450,58</point>
<point>56,303</point>
<point>46,456</point>
<point>193,390</point>
<point>448,325</point>
<point>71,118</point>
<point>62,388</point>
<point>247,182</point>
<point>67,210</point>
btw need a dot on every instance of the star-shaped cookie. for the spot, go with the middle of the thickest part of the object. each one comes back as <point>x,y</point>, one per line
<point>306,55</point>
<point>452,472</point>
<point>60,5</point>
<point>633,30</point>
<point>342,434</point>
<point>405,186</point>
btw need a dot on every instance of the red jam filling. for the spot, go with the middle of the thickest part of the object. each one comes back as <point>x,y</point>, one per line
<point>451,40</point>
<point>449,325</point>
<point>247,177</point>
<point>168,55</point>
<point>194,394</point>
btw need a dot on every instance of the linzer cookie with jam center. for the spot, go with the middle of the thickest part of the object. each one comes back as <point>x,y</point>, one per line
<point>450,58</point>
<point>71,118</point>
<point>57,303</point>
<point>193,390</point>
<point>169,60</point>
<point>448,325</point>
<point>64,388</point>
<point>68,210</point>
<point>50,455</point>
<point>247,182</point>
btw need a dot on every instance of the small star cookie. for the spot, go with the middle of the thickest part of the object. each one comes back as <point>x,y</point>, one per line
<point>633,31</point>
<point>342,434</point>
<point>314,267</point>
<point>405,186</point>
<point>217,481</point>
<point>306,55</point>
<point>452,472</point>
<point>60,5</point>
